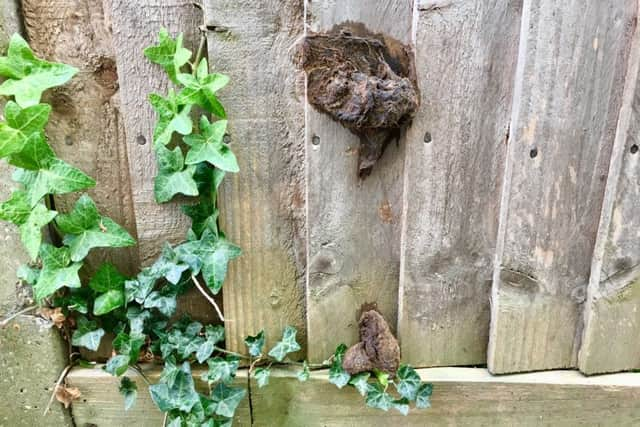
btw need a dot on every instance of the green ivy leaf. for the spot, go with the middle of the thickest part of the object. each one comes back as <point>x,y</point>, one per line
<point>164,300</point>
<point>361,382</point>
<point>57,271</point>
<point>28,76</point>
<point>209,146</point>
<point>221,369</point>
<point>117,365</point>
<point>262,376</point>
<point>255,343</point>
<point>108,302</point>
<point>304,374</point>
<point>401,405</point>
<point>337,375</point>
<point>287,345</point>
<point>129,390</point>
<point>85,229</point>
<point>423,397</point>
<point>378,398</point>
<point>109,283</point>
<point>172,117</point>
<point>35,155</point>
<point>21,125</point>
<point>173,178</point>
<point>129,345</point>
<point>209,255</point>
<point>226,399</point>
<point>87,335</point>
<point>57,178</point>
<point>179,393</point>
<point>169,54</point>
<point>28,274</point>
<point>137,319</point>
<point>382,376</point>
<point>139,288</point>
<point>201,89</point>
<point>169,265</point>
<point>408,382</point>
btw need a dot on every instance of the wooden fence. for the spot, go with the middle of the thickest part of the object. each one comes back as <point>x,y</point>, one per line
<point>504,227</point>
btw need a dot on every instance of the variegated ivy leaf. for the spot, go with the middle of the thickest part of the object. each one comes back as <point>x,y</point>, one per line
<point>28,76</point>
<point>129,390</point>
<point>423,397</point>
<point>378,398</point>
<point>287,345</point>
<point>57,178</point>
<point>87,335</point>
<point>304,374</point>
<point>172,117</point>
<point>86,229</point>
<point>255,344</point>
<point>221,369</point>
<point>201,89</point>
<point>226,399</point>
<point>21,125</point>
<point>173,178</point>
<point>169,54</point>
<point>177,394</point>
<point>407,382</point>
<point>209,147</point>
<point>262,376</point>
<point>337,375</point>
<point>361,382</point>
<point>57,271</point>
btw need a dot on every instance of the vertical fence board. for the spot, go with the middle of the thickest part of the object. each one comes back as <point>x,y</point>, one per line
<point>262,206</point>
<point>135,26</point>
<point>85,127</point>
<point>466,58</point>
<point>569,82</point>
<point>354,225</point>
<point>612,312</point>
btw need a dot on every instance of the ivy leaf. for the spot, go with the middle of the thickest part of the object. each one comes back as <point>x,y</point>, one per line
<point>164,300</point>
<point>361,382</point>
<point>169,265</point>
<point>408,382</point>
<point>139,288</point>
<point>85,229</point>
<point>262,376</point>
<point>36,154</point>
<point>108,302</point>
<point>378,398</point>
<point>180,394</point>
<point>214,334</point>
<point>169,54</point>
<point>57,178</point>
<point>226,399</point>
<point>383,377</point>
<point>401,405</point>
<point>137,318</point>
<point>30,221</point>
<point>209,255</point>
<point>129,390</point>
<point>287,345</point>
<point>57,271</point>
<point>173,178</point>
<point>172,117</point>
<point>110,284</point>
<point>255,344</point>
<point>87,335</point>
<point>423,397</point>
<point>129,345</point>
<point>28,76</point>
<point>21,124</point>
<point>28,274</point>
<point>221,369</point>
<point>209,146</point>
<point>337,375</point>
<point>202,88</point>
<point>304,374</point>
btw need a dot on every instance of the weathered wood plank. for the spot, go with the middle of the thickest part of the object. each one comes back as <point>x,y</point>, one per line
<point>86,129</point>
<point>263,206</point>
<point>466,59</point>
<point>461,397</point>
<point>612,312</point>
<point>135,26</point>
<point>354,224</point>
<point>569,81</point>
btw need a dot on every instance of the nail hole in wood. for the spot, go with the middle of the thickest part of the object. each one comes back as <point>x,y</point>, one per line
<point>315,140</point>
<point>141,140</point>
<point>634,149</point>
<point>427,137</point>
<point>68,140</point>
<point>533,153</point>
<point>226,139</point>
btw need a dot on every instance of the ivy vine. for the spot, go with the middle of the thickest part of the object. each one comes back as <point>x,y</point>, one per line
<point>193,159</point>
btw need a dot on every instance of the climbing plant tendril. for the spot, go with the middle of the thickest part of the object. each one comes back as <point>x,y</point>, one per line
<point>193,159</point>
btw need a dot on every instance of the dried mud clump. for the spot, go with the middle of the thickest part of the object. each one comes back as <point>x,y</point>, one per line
<point>377,349</point>
<point>364,81</point>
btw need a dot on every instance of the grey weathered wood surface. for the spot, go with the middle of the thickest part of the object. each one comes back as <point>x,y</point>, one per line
<point>135,26</point>
<point>85,127</point>
<point>612,310</point>
<point>263,206</point>
<point>456,148</point>
<point>354,225</point>
<point>461,397</point>
<point>569,81</point>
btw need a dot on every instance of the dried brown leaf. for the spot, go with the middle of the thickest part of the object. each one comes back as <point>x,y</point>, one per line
<point>66,395</point>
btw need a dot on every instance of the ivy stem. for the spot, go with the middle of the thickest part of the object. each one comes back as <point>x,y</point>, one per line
<point>164,421</point>
<point>6,321</point>
<point>207,296</point>
<point>61,378</point>
<point>203,39</point>
<point>232,353</point>
<point>139,371</point>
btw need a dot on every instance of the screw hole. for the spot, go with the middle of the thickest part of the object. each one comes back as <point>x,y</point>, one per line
<point>315,140</point>
<point>68,140</point>
<point>141,140</point>
<point>427,137</point>
<point>226,139</point>
<point>634,149</point>
<point>533,153</point>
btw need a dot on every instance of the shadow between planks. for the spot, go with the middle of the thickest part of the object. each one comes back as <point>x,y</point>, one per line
<point>462,397</point>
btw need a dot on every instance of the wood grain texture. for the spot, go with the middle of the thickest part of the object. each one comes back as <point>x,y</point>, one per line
<point>263,206</point>
<point>461,397</point>
<point>86,127</point>
<point>569,81</point>
<point>354,225</point>
<point>612,311</point>
<point>466,59</point>
<point>135,26</point>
